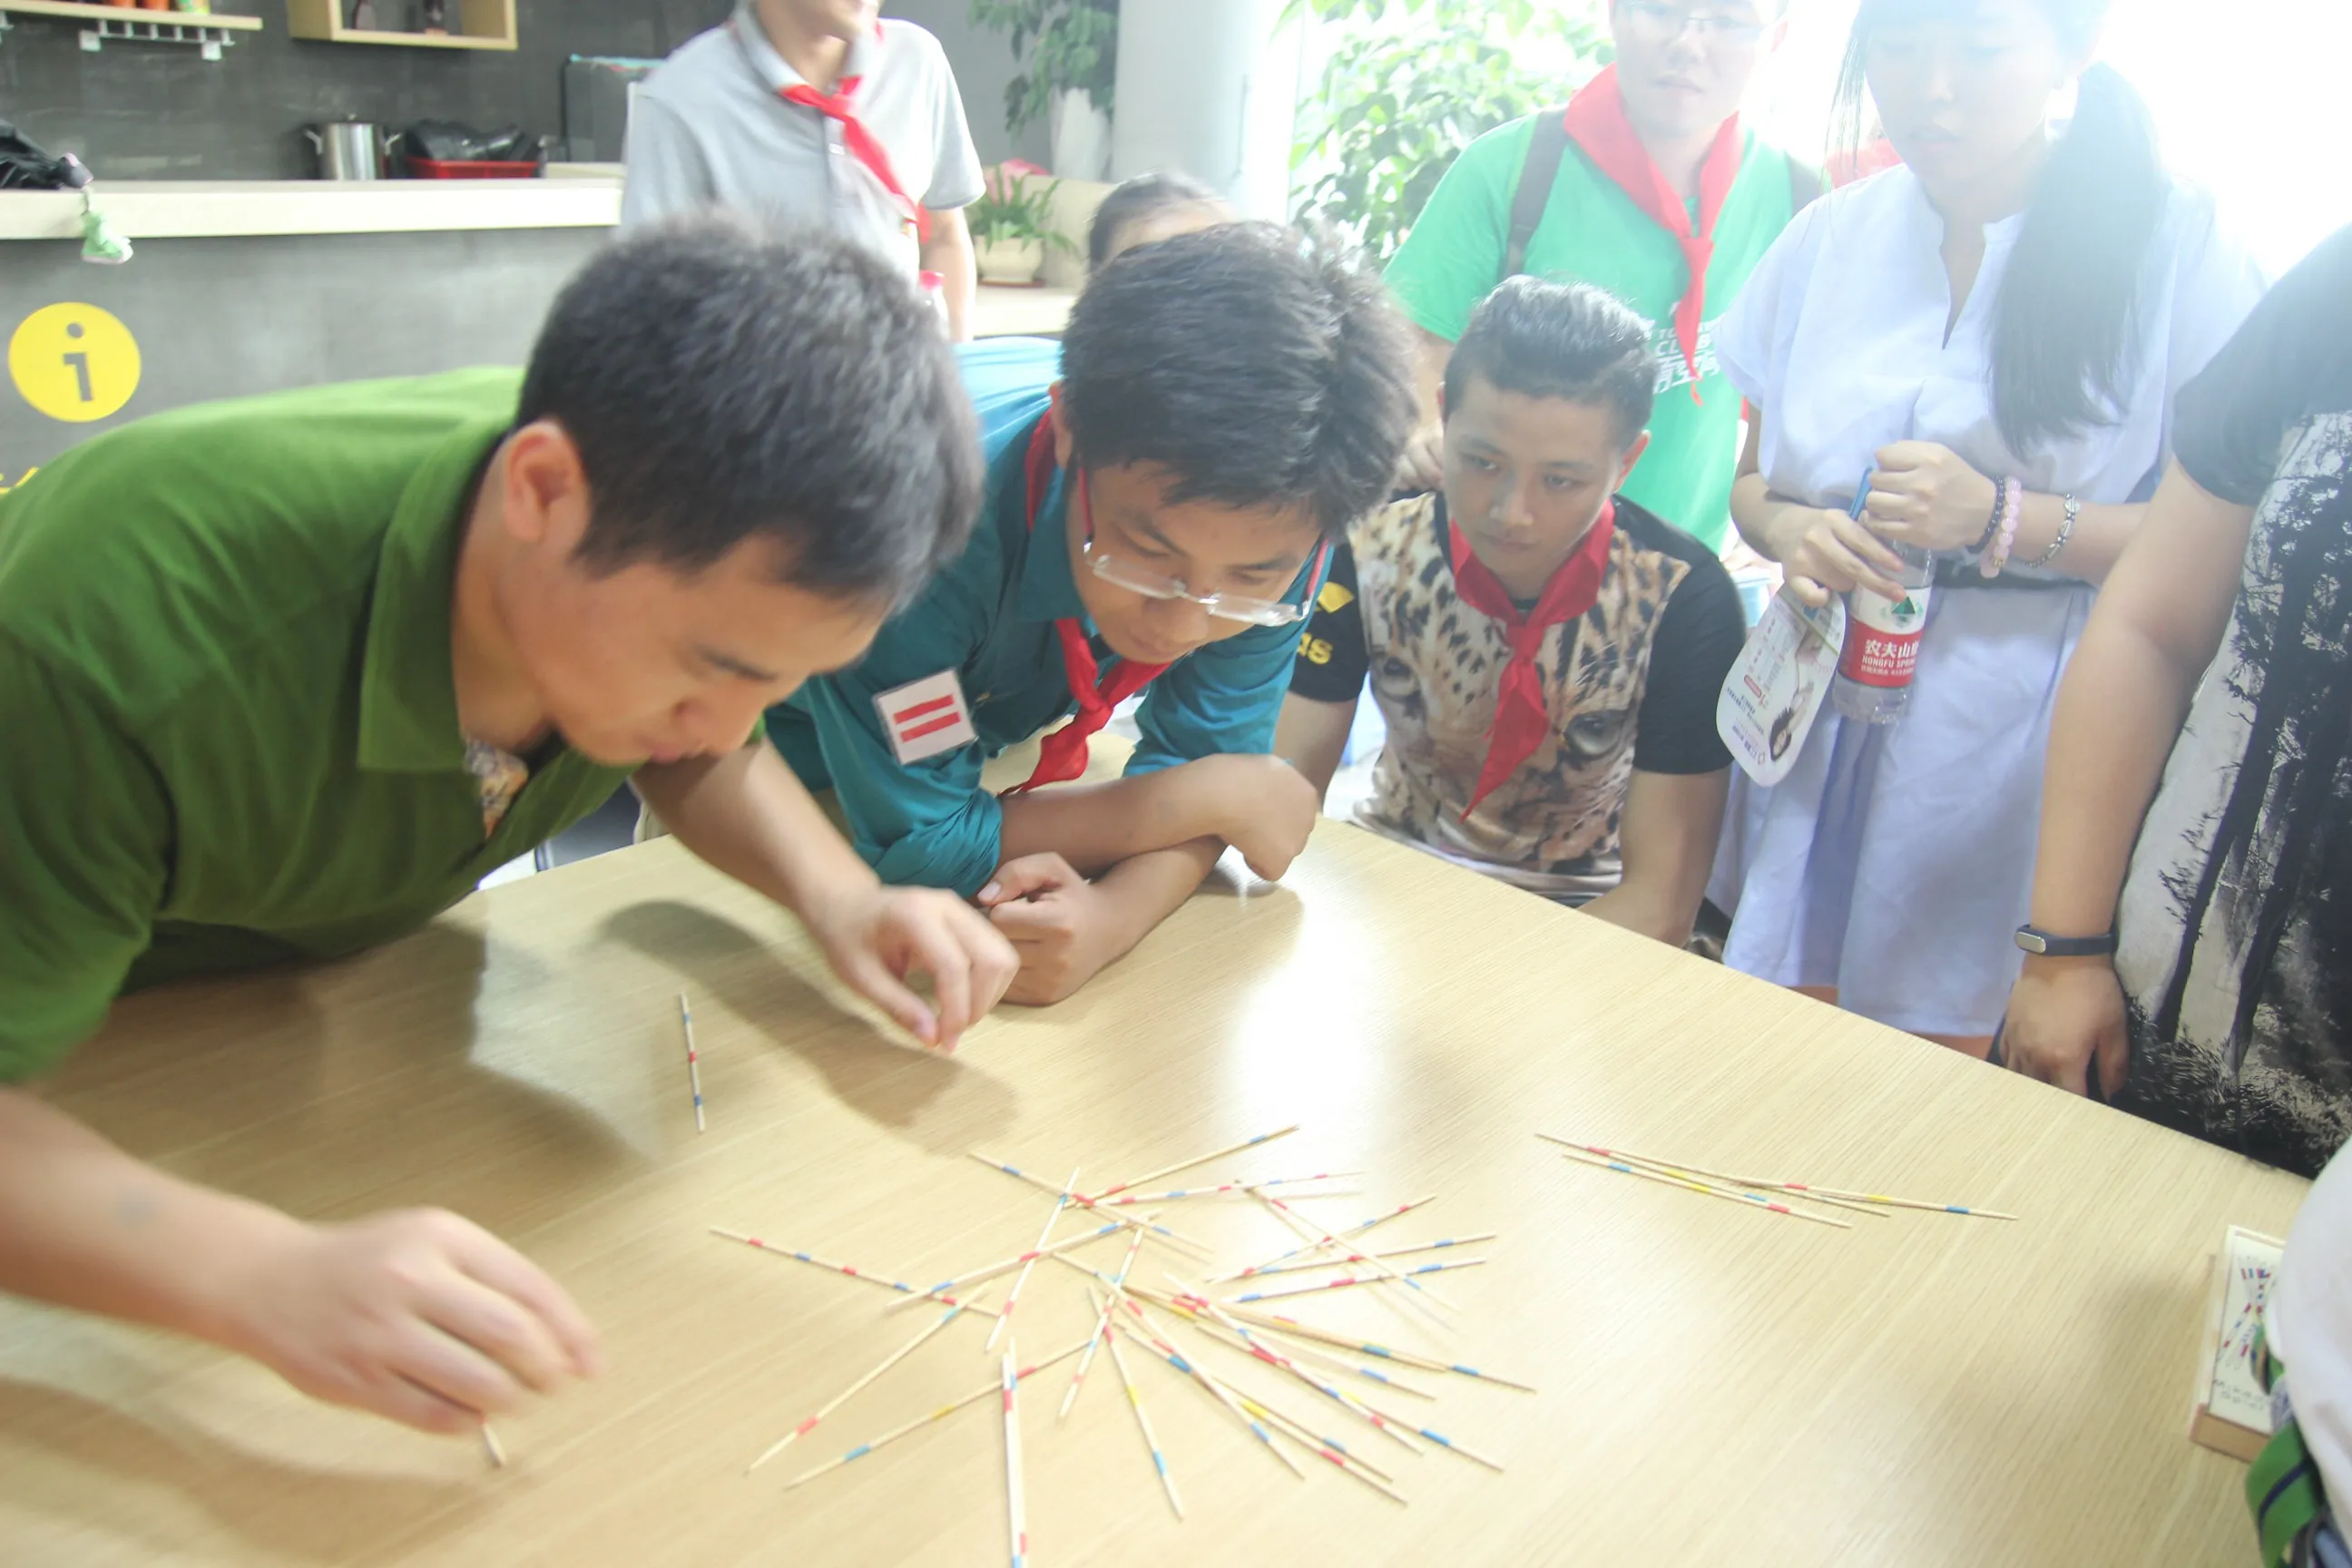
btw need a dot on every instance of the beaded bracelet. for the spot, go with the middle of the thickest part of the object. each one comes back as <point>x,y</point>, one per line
<point>2013,508</point>
<point>2066,535</point>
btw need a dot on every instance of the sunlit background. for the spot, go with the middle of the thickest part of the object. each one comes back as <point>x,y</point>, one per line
<point>2249,98</point>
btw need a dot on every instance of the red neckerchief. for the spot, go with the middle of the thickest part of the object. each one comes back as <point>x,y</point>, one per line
<point>862,143</point>
<point>1521,716</point>
<point>1596,122</point>
<point>1061,755</point>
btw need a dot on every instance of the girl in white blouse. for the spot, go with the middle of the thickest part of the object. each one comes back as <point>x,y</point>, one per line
<point>1993,333</point>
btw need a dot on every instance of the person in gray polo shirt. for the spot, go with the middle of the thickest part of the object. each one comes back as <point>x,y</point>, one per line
<point>820,111</point>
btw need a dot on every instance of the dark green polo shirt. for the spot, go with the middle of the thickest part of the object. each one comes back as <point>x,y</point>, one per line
<point>228,725</point>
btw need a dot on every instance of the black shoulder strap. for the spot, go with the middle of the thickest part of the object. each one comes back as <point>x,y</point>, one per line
<point>1546,148</point>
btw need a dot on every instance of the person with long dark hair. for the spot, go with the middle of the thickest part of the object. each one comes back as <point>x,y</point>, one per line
<point>1989,338</point>
<point>2204,928</point>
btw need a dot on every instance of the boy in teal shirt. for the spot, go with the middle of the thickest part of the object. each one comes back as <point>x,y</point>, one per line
<point>1154,521</point>
<point>1660,198</point>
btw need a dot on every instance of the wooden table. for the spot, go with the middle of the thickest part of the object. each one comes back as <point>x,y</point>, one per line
<point>1716,1385</point>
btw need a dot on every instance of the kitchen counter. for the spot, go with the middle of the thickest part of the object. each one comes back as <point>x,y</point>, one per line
<point>209,209</point>
<point>247,286</point>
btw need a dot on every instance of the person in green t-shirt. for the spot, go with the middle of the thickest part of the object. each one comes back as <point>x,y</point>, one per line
<point>1660,198</point>
<point>282,679</point>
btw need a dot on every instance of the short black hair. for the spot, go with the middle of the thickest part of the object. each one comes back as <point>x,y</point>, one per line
<point>1137,198</point>
<point>1256,364</point>
<point>1570,341</point>
<point>723,384</point>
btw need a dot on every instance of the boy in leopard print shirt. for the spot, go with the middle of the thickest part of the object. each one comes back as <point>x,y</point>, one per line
<point>1547,654</point>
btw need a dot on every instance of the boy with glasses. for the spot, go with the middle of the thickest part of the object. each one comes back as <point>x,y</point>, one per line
<point>1646,186</point>
<point>1155,522</point>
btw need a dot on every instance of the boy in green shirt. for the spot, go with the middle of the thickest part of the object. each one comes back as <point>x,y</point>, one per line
<point>1658,197</point>
<point>284,678</point>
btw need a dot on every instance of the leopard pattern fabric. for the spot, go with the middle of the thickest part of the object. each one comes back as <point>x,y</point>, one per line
<point>1552,825</point>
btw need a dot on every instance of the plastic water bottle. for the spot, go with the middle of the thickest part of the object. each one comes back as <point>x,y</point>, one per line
<point>1882,643</point>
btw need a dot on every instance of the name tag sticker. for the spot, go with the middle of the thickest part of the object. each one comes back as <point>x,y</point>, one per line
<point>926,717</point>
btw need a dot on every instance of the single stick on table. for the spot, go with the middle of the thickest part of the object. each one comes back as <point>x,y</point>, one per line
<point>1235,1185</point>
<point>1014,1299</point>
<point>1142,1422</point>
<point>1102,1329</point>
<point>854,1273</point>
<point>1006,1265</point>
<point>1365,1257</point>
<point>985,1391</point>
<point>1196,1160</point>
<point>1576,1152</point>
<point>1402,1358</point>
<point>1393,1276</point>
<point>491,1446</point>
<point>693,1061</point>
<point>1016,1512</point>
<point>1082,1201</point>
<point>1150,1338</point>
<point>1351,1232</point>
<point>838,1400</point>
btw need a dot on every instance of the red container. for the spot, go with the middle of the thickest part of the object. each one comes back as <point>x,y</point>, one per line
<point>484,168</point>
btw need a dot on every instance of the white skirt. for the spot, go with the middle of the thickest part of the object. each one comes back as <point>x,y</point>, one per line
<point>1896,861</point>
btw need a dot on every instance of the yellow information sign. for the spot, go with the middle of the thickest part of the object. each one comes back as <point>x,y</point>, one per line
<point>74,362</point>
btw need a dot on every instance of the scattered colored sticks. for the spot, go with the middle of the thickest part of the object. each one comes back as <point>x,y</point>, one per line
<point>1102,1329</point>
<point>1147,1337</point>
<point>693,1061</point>
<point>1082,1201</point>
<point>1271,1341</point>
<point>1006,1265</point>
<point>1196,1160</point>
<point>1232,1186</point>
<point>1576,1152</point>
<point>491,1446</point>
<point>1699,1174</point>
<point>1016,1512</point>
<point>1142,1422</point>
<point>1014,1299</point>
<point>1362,1257</point>
<point>994,1387</point>
<point>838,1400</point>
<point>1322,1237</point>
<point>854,1273</point>
<point>1352,1231</point>
<point>1348,1281</point>
<point>1402,1358</point>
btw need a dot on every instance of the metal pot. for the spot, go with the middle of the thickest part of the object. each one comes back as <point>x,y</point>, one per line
<point>350,150</point>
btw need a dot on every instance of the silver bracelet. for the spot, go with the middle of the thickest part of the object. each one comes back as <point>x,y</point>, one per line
<point>2065,533</point>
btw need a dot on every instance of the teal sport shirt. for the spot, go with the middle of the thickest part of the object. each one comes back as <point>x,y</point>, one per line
<point>990,617</point>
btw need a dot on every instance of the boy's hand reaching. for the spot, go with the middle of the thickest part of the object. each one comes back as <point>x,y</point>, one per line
<point>418,1315</point>
<point>1056,922</point>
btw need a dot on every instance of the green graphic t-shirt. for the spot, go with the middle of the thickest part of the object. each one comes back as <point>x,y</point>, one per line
<point>1593,233</point>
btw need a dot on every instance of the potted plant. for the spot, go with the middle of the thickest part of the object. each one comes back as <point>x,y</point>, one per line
<point>1013,223</point>
<point>1069,51</point>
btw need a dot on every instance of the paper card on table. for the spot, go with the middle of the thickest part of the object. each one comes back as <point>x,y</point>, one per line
<point>2232,1414</point>
<point>1779,684</point>
<point>925,718</point>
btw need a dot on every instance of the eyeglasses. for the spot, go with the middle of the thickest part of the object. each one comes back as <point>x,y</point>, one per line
<point>1155,585</point>
<point>1667,22</point>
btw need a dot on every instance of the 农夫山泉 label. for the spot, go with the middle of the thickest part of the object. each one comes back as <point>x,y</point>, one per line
<point>1882,638</point>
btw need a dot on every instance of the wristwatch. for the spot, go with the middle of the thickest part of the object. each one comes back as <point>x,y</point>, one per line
<point>2042,944</point>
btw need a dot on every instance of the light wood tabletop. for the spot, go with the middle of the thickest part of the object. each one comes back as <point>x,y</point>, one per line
<point>1715,1383</point>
